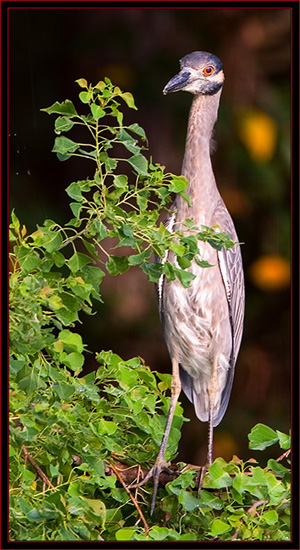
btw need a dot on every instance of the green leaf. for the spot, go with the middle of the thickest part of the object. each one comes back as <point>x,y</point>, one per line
<point>117,264</point>
<point>153,269</point>
<point>63,124</point>
<point>15,224</point>
<point>64,145</point>
<point>188,501</point>
<point>65,108</point>
<point>277,467</point>
<point>137,259</point>
<point>219,527</point>
<point>240,483</point>
<point>63,390</point>
<point>76,188</point>
<point>270,517</point>
<point>185,277</point>
<point>211,501</point>
<point>28,259</point>
<point>120,181</point>
<point>71,340</point>
<point>126,533</point>
<point>54,241</point>
<point>73,360</point>
<point>261,437</point>
<point>202,263</point>
<point>179,184</point>
<point>97,112</point>
<point>77,261</point>
<point>137,130</point>
<point>179,249</point>
<point>86,97</point>
<point>82,82</point>
<point>284,440</point>
<point>76,208</point>
<point>139,164</point>
<point>129,100</point>
<point>106,427</point>
<point>219,478</point>
<point>27,379</point>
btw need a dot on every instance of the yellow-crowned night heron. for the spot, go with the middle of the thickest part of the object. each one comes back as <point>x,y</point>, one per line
<point>202,324</point>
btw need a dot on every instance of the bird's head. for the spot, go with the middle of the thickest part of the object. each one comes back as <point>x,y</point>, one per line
<point>201,73</point>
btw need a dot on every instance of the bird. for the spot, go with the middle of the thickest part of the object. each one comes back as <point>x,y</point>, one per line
<point>202,324</point>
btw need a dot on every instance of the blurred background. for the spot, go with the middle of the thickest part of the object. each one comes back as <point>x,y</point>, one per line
<point>139,50</point>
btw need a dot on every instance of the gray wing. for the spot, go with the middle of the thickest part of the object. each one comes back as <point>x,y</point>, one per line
<point>231,267</point>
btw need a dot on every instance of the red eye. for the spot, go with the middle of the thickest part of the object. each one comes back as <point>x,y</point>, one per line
<point>207,71</point>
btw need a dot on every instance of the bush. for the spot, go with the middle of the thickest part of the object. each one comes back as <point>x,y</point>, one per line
<point>76,442</point>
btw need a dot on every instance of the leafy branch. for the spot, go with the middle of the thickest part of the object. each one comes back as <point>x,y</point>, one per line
<point>76,440</point>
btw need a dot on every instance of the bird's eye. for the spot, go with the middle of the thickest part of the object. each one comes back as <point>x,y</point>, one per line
<point>207,71</point>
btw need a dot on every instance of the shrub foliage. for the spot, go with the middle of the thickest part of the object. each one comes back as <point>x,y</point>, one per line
<point>76,441</point>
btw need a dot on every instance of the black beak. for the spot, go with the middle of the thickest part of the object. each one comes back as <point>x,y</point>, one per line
<point>177,82</point>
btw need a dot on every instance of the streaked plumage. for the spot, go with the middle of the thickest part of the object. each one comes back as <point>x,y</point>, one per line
<point>202,324</point>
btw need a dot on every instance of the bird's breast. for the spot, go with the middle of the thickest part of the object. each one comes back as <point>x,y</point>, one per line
<point>196,319</point>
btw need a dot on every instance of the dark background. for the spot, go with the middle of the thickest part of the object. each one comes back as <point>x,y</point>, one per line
<point>139,50</point>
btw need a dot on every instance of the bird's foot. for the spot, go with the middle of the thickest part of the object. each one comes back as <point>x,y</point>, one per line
<point>160,466</point>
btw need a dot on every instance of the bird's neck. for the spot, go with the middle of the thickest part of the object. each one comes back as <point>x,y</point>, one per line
<point>197,167</point>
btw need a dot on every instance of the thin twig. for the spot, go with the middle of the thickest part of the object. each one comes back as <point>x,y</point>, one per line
<point>284,455</point>
<point>115,470</point>
<point>255,505</point>
<point>44,478</point>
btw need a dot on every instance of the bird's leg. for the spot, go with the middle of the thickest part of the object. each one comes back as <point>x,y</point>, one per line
<point>211,391</point>
<point>160,463</point>
<point>208,463</point>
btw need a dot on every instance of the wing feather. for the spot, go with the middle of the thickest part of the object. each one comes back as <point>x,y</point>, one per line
<point>231,267</point>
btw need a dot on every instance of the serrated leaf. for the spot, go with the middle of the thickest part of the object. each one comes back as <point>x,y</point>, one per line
<point>140,164</point>
<point>65,108</point>
<point>261,437</point>
<point>137,130</point>
<point>202,263</point>
<point>64,145</point>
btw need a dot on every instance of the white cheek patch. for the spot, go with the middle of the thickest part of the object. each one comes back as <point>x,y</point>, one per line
<point>219,77</point>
